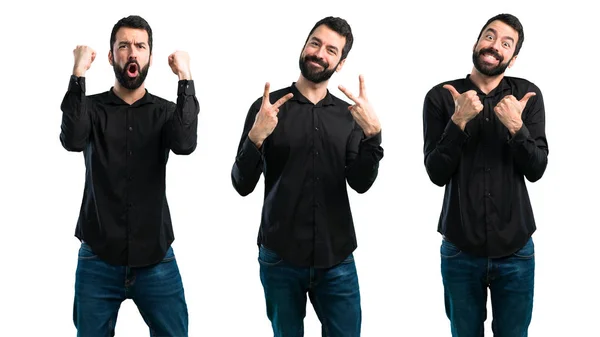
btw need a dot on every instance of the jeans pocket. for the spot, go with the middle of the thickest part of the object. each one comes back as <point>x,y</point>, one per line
<point>268,257</point>
<point>527,251</point>
<point>86,252</point>
<point>448,250</point>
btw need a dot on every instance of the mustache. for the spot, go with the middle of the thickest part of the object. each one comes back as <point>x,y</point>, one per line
<point>491,52</point>
<point>317,60</point>
<point>130,63</point>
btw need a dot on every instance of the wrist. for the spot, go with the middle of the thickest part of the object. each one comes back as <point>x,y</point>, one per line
<point>257,140</point>
<point>459,122</point>
<point>185,75</point>
<point>78,72</point>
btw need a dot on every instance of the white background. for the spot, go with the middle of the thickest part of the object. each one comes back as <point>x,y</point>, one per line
<point>403,50</point>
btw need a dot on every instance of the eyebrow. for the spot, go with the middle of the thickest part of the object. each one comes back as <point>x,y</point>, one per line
<point>129,42</point>
<point>496,33</point>
<point>321,42</point>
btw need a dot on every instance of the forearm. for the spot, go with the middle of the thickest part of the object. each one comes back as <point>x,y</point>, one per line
<point>76,121</point>
<point>443,153</point>
<point>183,126</point>
<point>363,167</point>
<point>247,168</point>
<point>530,155</point>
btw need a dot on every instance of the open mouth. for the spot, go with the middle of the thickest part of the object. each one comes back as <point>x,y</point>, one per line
<point>132,70</point>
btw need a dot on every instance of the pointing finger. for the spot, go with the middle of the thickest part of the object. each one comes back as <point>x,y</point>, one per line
<point>266,94</point>
<point>282,100</point>
<point>362,91</point>
<point>347,93</point>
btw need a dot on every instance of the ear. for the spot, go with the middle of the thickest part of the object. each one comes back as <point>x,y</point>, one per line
<point>110,57</point>
<point>512,60</point>
<point>340,65</point>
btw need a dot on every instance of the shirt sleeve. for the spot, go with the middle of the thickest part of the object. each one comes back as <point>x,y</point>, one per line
<point>248,165</point>
<point>443,140</point>
<point>182,128</point>
<point>529,145</point>
<point>76,116</point>
<point>362,159</point>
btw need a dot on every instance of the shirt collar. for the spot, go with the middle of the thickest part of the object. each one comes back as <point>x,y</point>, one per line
<point>114,99</point>
<point>328,100</point>
<point>500,89</point>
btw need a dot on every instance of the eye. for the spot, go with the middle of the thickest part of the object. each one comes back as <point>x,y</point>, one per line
<point>314,43</point>
<point>506,45</point>
<point>332,52</point>
<point>489,37</point>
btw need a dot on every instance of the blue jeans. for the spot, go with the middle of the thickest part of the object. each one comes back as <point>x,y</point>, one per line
<point>510,280</point>
<point>156,290</point>
<point>333,292</point>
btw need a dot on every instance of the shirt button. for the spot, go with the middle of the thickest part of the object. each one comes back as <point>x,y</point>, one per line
<point>487,169</point>
<point>316,153</point>
<point>488,194</point>
<point>487,119</point>
<point>130,152</point>
<point>316,128</point>
<point>129,178</point>
<point>130,128</point>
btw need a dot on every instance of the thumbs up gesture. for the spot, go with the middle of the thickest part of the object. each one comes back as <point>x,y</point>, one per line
<point>509,111</point>
<point>466,106</point>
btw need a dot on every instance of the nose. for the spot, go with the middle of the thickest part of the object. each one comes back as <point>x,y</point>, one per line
<point>133,53</point>
<point>321,53</point>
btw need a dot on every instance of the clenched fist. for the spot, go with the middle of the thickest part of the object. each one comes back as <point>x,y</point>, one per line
<point>84,56</point>
<point>466,106</point>
<point>179,62</point>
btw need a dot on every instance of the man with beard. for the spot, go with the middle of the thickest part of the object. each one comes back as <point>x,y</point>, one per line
<point>308,144</point>
<point>124,223</point>
<point>483,135</point>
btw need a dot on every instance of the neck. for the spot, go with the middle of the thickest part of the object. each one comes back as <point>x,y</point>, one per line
<point>314,92</point>
<point>128,95</point>
<point>485,83</point>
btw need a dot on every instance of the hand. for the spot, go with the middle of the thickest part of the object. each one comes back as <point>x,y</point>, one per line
<point>362,111</point>
<point>266,118</point>
<point>509,111</point>
<point>179,62</point>
<point>466,106</point>
<point>84,56</point>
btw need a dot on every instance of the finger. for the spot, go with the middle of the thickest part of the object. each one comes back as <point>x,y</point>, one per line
<point>362,90</point>
<point>347,93</point>
<point>526,98</point>
<point>453,91</point>
<point>282,100</point>
<point>266,94</point>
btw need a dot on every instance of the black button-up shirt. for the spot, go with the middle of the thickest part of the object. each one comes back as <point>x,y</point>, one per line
<point>486,209</point>
<point>306,161</point>
<point>124,215</point>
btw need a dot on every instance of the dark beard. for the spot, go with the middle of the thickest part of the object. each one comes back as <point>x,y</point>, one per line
<point>312,75</point>
<point>485,69</point>
<point>128,82</point>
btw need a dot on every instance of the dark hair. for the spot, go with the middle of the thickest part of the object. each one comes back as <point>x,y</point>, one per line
<point>132,21</point>
<point>339,26</point>
<point>513,22</point>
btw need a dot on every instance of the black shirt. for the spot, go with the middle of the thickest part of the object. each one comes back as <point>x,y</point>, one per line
<point>306,161</point>
<point>124,214</point>
<point>486,209</point>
